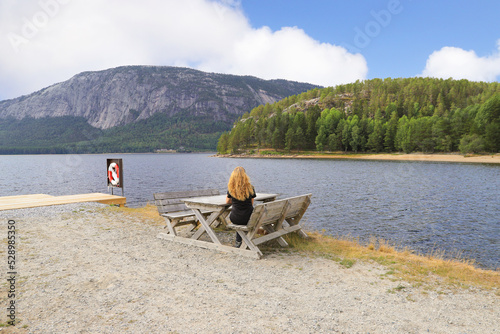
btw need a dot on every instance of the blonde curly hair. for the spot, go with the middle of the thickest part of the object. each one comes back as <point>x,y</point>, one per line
<point>239,185</point>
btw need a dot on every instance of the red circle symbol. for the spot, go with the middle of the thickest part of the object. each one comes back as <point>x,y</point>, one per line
<point>114,174</point>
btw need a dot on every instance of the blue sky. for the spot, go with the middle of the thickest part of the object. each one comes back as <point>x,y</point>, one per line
<point>325,42</point>
<point>401,47</point>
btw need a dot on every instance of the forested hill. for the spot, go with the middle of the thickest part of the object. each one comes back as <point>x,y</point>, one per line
<point>390,115</point>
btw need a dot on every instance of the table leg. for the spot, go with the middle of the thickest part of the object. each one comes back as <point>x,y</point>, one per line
<point>223,217</point>
<point>205,225</point>
<point>170,226</point>
<point>292,222</point>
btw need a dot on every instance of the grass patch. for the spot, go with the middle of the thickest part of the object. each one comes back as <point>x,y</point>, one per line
<point>348,263</point>
<point>396,289</point>
<point>413,268</point>
<point>271,153</point>
<point>148,213</point>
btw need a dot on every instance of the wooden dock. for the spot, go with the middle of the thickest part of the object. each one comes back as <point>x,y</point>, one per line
<point>31,201</point>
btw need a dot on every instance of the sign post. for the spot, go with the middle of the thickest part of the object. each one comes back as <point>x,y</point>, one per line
<point>114,174</point>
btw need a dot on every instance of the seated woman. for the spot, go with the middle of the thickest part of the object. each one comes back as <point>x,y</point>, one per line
<point>241,195</point>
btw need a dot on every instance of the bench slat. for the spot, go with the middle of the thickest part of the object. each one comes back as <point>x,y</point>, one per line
<point>273,213</point>
<point>171,208</point>
<point>185,194</point>
<point>168,201</point>
<point>182,214</point>
<point>277,234</point>
<point>171,201</point>
<point>297,205</point>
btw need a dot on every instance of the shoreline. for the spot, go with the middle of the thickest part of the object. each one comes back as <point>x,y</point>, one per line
<point>453,158</point>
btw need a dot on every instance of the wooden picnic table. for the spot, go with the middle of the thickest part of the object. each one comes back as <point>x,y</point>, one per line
<point>270,216</point>
<point>219,208</point>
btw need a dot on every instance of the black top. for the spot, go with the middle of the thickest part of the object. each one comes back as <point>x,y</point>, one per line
<point>241,210</point>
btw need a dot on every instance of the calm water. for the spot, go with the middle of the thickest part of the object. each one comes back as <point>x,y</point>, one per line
<point>424,206</point>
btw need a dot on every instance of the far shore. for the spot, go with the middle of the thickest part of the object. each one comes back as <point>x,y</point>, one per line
<point>483,159</point>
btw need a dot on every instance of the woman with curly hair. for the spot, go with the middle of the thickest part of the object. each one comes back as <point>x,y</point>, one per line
<point>241,195</point>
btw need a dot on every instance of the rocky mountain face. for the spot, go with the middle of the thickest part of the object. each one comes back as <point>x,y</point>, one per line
<point>124,95</point>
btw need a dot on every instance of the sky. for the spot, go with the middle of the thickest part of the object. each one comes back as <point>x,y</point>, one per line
<point>323,42</point>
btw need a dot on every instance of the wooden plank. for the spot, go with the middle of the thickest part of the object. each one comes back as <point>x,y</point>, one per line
<point>168,201</point>
<point>302,207</point>
<point>273,211</point>
<point>299,205</point>
<point>9,200</point>
<point>206,207</point>
<point>278,225</point>
<point>209,245</point>
<point>257,213</point>
<point>186,193</point>
<point>178,214</point>
<point>172,207</point>
<point>115,201</point>
<point>24,197</point>
<point>274,235</point>
<point>283,213</point>
<point>93,197</point>
<point>31,201</point>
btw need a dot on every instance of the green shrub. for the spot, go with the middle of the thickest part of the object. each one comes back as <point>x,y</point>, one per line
<point>471,144</point>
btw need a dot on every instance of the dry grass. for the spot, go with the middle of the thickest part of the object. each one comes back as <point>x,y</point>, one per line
<point>148,213</point>
<point>416,269</point>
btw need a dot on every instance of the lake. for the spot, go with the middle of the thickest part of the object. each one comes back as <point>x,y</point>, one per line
<point>424,206</point>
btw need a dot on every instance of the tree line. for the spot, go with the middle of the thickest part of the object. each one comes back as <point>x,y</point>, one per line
<point>69,134</point>
<point>389,115</point>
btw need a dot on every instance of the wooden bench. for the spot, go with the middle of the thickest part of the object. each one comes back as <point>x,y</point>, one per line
<point>175,212</point>
<point>271,216</point>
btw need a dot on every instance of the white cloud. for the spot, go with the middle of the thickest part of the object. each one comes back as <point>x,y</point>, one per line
<point>48,41</point>
<point>456,63</point>
<point>289,54</point>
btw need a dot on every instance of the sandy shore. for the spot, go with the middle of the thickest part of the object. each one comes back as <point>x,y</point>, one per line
<point>484,159</point>
<point>92,269</point>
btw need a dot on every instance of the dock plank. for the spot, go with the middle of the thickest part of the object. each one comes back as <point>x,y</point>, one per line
<point>21,198</point>
<point>37,200</point>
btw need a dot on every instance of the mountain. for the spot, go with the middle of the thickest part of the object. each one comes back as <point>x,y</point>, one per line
<point>112,101</point>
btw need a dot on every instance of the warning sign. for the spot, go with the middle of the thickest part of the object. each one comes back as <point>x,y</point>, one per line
<point>115,173</point>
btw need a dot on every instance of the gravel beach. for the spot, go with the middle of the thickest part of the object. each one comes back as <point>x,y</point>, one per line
<point>89,268</point>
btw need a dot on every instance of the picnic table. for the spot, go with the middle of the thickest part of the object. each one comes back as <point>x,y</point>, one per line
<point>219,208</point>
<point>270,215</point>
